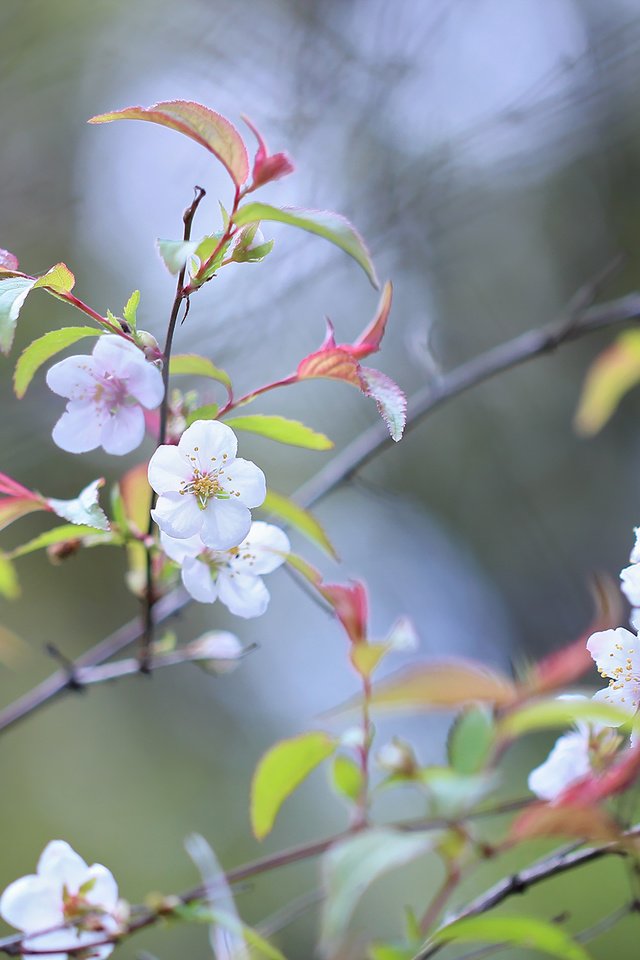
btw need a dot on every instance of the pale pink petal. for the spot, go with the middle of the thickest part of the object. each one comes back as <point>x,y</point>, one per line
<point>67,939</point>
<point>60,862</point>
<point>178,515</point>
<point>263,550</point>
<point>225,524</point>
<point>123,431</point>
<point>114,354</point>
<point>205,444</point>
<point>243,477</point>
<point>104,892</point>
<point>567,762</point>
<point>198,581</point>
<point>243,595</point>
<point>624,696</point>
<point>611,649</point>
<point>630,577</point>
<point>145,384</point>
<point>32,903</point>
<point>179,550</point>
<point>167,468</point>
<point>73,377</point>
<point>79,428</point>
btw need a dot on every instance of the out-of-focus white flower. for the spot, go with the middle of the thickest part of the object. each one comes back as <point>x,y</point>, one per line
<point>217,651</point>
<point>204,489</point>
<point>73,901</point>
<point>233,576</point>
<point>107,391</point>
<point>630,577</point>
<point>617,656</point>
<point>574,756</point>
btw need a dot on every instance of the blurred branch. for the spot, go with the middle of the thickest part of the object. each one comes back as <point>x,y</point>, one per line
<point>577,321</point>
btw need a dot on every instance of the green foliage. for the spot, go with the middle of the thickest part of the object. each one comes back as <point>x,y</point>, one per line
<point>470,740</point>
<point>389,398</point>
<point>65,534</point>
<point>283,430</point>
<point>9,585</point>
<point>331,226</point>
<point>280,771</point>
<point>208,411</point>
<point>192,364</point>
<point>176,253</point>
<point>351,866</point>
<point>300,519</point>
<point>453,794</point>
<point>346,778</point>
<point>130,311</point>
<point>42,349</point>
<point>83,509</point>
<point>513,931</point>
<point>58,279</point>
<point>609,378</point>
<point>556,712</point>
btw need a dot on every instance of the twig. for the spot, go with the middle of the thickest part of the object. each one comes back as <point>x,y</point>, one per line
<point>358,453</point>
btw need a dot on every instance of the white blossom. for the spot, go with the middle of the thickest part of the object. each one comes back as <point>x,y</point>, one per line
<point>107,391</point>
<point>204,489</point>
<point>634,556</point>
<point>617,656</point>
<point>76,903</point>
<point>218,651</point>
<point>233,576</point>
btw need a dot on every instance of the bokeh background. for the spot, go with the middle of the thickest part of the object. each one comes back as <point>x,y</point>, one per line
<point>490,153</point>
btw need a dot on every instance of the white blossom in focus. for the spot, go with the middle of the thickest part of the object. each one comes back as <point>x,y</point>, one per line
<point>617,656</point>
<point>232,576</point>
<point>204,489</point>
<point>107,391</point>
<point>630,577</point>
<point>634,556</point>
<point>64,890</point>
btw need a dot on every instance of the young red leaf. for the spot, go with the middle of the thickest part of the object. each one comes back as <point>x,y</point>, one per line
<point>210,129</point>
<point>586,822</point>
<point>136,496</point>
<point>350,606</point>
<point>266,166</point>
<point>594,788</point>
<point>369,340</point>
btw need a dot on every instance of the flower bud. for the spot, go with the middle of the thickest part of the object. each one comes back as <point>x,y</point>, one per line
<point>398,758</point>
<point>217,651</point>
<point>149,344</point>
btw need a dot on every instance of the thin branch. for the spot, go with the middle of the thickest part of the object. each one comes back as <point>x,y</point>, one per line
<point>358,453</point>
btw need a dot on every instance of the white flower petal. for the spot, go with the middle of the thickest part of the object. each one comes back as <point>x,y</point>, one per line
<point>225,523</point>
<point>245,478</point>
<point>624,696</point>
<point>32,903</point>
<point>205,444</point>
<point>60,862</point>
<point>69,938</point>
<point>243,595</point>
<point>73,377</point>
<point>146,384</point>
<point>115,355</point>
<point>167,468</point>
<point>614,651</point>
<point>263,550</point>
<point>630,577</point>
<point>178,515</point>
<point>104,892</point>
<point>198,581</point>
<point>79,428</point>
<point>567,763</point>
<point>123,430</point>
<point>634,556</point>
<point>179,550</point>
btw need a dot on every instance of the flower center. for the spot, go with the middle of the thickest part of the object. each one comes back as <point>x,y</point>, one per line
<point>204,486</point>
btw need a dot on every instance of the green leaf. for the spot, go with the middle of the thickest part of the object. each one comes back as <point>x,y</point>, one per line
<point>280,771</point>
<point>557,712</point>
<point>59,279</point>
<point>389,398</point>
<point>208,128</point>
<point>193,365</point>
<point>612,374</point>
<point>42,349</point>
<point>83,509</point>
<point>136,497</point>
<point>9,586</point>
<point>346,777</point>
<point>208,411</point>
<point>130,312</point>
<point>351,866</point>
<point>283,430</point>
<point>331,226</point>
<point>470,740</point>
<point>63,534</point>
<point>13,293</point>
<point>300,519</point>
<point>176,253</point>
<point>390,951</point>
<point>514,931</point>
<point>454,794</point>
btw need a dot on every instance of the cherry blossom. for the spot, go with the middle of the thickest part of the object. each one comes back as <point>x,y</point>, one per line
<point>574,756</point>
<point>233,576</point>
<point>74,904</point>
<point>204,489</point>
<point>107,391</point>
<point>617,656</point>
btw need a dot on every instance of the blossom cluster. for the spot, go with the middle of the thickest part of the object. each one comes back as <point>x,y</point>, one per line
<point>616,652</point>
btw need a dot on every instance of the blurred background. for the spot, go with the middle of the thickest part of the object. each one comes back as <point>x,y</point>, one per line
<point>489,152</point>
